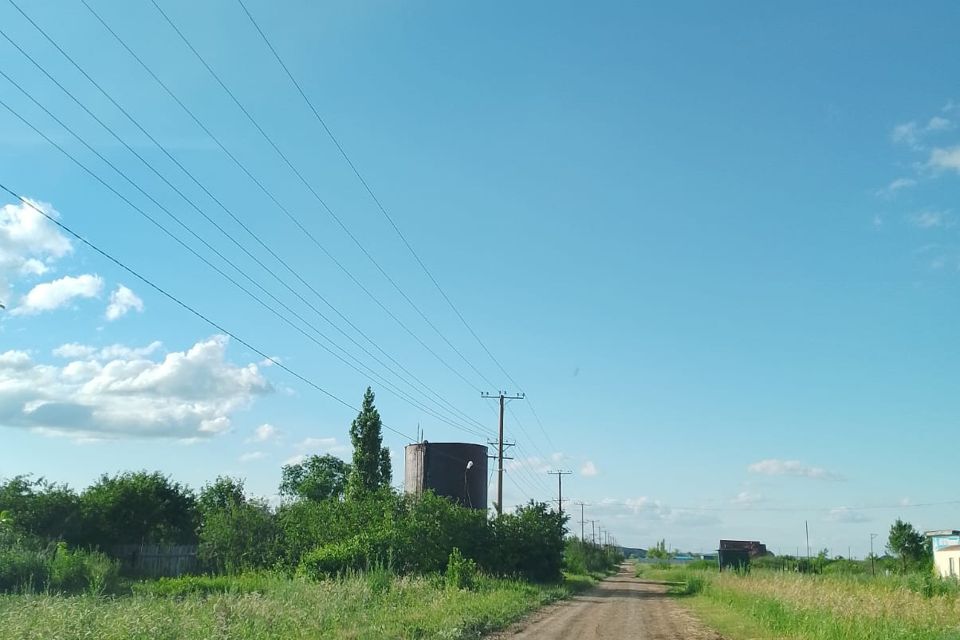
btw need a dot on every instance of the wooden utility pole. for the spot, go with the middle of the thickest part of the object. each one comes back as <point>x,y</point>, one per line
<point>500,444</point>
<point>582,521</point>
<point>593,530</point>
<point>559,475</point>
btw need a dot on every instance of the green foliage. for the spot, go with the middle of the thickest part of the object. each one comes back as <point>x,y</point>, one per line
<point>238,537</point>
<point>461,572</point>
<point>316,478</point>
<point>138,507</point>
<point>371,469</point>
<point>907,544</point>
<point>25,569</point>
<point>222,493</point>
<point>529,542</point>
<point>659,551</point>
<point>204,585</point>
<point>39,508</point>
<point>585,557</point>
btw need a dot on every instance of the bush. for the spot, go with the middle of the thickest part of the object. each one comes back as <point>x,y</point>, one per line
<point>203,585</point>
<point>25,570</point>
<point>461,572</point>
<point>238,537</point>
<point>585,557</point>
<point>359,553</point>
<point>529,543</point>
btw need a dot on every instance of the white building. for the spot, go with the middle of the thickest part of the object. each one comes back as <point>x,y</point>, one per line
<point>946,551</point>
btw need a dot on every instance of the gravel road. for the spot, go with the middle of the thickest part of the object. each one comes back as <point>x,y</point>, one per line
<point>620,608</point>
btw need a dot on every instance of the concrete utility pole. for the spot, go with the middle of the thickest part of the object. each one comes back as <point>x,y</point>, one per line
<point>559,475</point>
<point>501,395</point>
<point>873,558</point>
<point>593,530</point>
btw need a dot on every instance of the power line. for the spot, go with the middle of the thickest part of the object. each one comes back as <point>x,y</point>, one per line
<point>607,502</point>
<point>223,274</point>
<point>384,211</point>
<point>219,327</point>
<point>259,184</point>
<point>442,400</point>
<point>313,191</point>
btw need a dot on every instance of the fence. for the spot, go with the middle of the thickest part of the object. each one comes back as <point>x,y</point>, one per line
<point>156,559</point>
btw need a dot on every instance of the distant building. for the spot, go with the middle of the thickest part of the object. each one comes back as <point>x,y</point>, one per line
<point>946,551</point>
<point>736,554</point>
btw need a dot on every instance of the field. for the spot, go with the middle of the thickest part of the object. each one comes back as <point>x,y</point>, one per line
<point>262,606</point>
<point>767,604</point>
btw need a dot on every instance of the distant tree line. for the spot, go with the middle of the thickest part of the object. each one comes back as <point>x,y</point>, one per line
<point>336,517</point>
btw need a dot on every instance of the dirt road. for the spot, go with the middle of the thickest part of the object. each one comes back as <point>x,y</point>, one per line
<point>620,608</point>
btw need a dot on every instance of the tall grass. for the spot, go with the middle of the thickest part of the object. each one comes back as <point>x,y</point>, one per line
<point>828,607</point>
<point>267,606</point>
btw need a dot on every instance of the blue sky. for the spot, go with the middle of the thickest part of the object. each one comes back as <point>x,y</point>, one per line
<point>717,248</point>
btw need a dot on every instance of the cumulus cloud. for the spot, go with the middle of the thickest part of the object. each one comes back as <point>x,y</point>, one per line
<point>29,244</point>
<point>73,350</point>
<point>321,445</point>
<point>589,469</point>
<point>945,159</point>
<point>774,467</point>
<point>648,509</point>
<point>52,295</point>
<point>123,300</point>
<point>264,433</point>
<point>251,456</point>
<point>120,392</point>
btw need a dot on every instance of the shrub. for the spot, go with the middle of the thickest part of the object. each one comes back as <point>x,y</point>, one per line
<point>358,553</point>
<point>25,570</point>
<point>238,537</point>
<point>461,572</point>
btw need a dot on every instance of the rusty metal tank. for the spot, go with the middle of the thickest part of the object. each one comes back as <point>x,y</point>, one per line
<point>457,470</point>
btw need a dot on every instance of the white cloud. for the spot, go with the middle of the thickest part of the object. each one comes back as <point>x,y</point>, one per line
<point>774,467</point>
<point>589,469</point>
<point>896,185</point>
<point>945,159</point>
<point>846,515</point>
<point>747,499</point>
<point>322,445</point>
<point>186,394</point>
<point>297,459</point>
<point>264,433</point>
<point>931,219</point>
<point>251,456</point>
<point>74,350</point>
<point>123,300</point>
<point>58,293</point>
<point>911,133</point>
<point>29,244</point>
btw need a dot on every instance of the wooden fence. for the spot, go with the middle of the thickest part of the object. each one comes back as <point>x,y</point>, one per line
<point>156,559</point>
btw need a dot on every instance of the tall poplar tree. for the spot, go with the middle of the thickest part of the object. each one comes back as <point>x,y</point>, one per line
<point>371,460</point>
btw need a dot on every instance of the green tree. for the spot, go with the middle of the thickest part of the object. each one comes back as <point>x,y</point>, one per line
<point>43,509</point>
<point>238,536</point>
<point>316,478</point>
<point>222,493</point>
<point>138,507</point>
<point>371,460</point>
<point>906,543</point>
<point>659,551</point>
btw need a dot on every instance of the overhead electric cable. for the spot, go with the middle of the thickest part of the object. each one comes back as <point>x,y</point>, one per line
<point>219,327</point>
<point>383,210</point>
<point>442,400</point>
<point>223,274</point>
<point>259,184</point>
<point>316,195</point>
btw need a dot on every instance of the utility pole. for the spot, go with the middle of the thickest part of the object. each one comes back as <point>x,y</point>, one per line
<point>873,558</point>
<point>582,521</point>
<point>501,444</point>
<point>593,530</point>
<point>806,526</point>
<point>559,475</point>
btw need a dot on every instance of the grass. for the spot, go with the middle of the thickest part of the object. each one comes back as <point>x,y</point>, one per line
<point>765,605</point>
<point>264,606</point>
